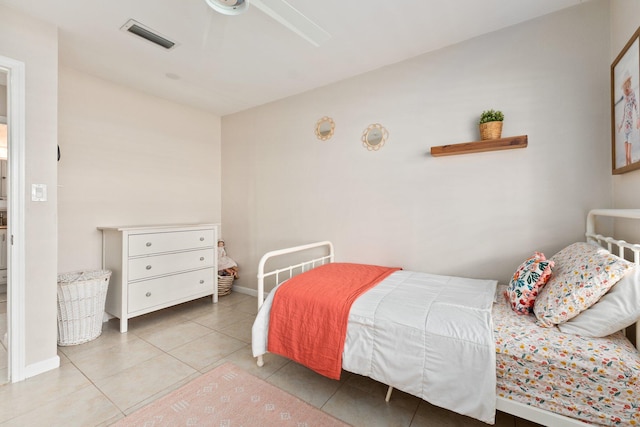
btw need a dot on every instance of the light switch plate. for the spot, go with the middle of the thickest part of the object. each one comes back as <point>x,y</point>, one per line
<point>39,192</point>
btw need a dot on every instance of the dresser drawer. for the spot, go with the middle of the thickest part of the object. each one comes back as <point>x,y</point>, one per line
<point>164,290</point>
<point>170,241</point>
<point>158,265</point>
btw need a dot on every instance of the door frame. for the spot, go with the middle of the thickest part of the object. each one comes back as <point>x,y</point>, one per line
<point>16,125</point>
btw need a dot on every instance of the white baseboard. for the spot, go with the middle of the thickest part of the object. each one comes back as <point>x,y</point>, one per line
<point>246,291</point>
<point>42,367</point>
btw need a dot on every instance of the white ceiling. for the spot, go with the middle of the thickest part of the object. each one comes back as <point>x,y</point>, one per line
<point>226,64</point>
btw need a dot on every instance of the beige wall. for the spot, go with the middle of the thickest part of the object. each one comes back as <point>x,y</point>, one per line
<point>473,215</point>
<point>36,44</point>
<point>129,159</point>
<point>625,20</point>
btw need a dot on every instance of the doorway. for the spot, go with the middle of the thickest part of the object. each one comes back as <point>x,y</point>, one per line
<point>13,369</point>
<point>4,320</point>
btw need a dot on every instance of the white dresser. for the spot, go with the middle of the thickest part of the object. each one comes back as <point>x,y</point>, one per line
<point>156,267</point>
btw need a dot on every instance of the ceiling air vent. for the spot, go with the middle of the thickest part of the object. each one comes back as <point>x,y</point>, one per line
<point>134,27</point>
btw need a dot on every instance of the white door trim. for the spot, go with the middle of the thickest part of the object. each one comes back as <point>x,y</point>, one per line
<point>16,121</point>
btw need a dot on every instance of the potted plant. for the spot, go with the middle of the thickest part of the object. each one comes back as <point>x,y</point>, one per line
<point>491,124</point>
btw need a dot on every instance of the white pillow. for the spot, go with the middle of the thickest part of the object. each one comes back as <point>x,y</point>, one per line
<point>617,309</point>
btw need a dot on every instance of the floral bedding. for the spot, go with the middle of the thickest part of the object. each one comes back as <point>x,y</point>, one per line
<point>592,379</point>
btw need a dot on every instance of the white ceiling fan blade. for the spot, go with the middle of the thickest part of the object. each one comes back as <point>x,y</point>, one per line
<point>291,18</point>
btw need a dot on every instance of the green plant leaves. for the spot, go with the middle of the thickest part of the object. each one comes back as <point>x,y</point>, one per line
<point>491,116</point>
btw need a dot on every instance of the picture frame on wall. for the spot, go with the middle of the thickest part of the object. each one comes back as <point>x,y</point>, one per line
<point>625,111</point>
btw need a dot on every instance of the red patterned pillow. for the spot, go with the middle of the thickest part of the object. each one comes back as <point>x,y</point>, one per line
<point>527,281</point>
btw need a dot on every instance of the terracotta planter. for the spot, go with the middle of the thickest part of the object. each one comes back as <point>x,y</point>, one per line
<point>490,130</point>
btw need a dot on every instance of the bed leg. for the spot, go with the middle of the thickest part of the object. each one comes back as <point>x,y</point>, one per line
<point>388,398</point>
<point>260,362</point>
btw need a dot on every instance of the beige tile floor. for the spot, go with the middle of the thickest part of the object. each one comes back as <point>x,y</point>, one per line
<point>101,381</point>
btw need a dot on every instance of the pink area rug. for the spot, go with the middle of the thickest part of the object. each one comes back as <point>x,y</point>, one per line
<point>229,397</point>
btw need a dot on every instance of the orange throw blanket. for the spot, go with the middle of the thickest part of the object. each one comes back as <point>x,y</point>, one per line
<point>308,320</point>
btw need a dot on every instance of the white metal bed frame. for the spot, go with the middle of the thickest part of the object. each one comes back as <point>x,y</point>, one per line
<point>611,242</point>
<point>518,409</point>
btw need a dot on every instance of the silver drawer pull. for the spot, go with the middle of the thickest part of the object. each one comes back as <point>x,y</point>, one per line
<point>201,258</point>
<point>201,282</point>
<point>148,267</point>
<point>202,239</point>
<point>148,244</point>
<point>148,294</point>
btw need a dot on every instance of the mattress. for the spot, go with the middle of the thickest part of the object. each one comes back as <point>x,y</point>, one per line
<point>414,331</point>
<point>430,336</point>
<point>592,379</point>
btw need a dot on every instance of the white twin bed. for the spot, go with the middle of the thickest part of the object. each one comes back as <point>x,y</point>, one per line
<point>457,343</point>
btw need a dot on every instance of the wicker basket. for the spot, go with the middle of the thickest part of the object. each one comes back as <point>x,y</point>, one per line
<point>81,298</point>
<point>490,130</point>
<point>224,285</point>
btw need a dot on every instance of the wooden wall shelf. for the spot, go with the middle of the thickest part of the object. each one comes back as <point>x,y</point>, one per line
<point>509,143</point>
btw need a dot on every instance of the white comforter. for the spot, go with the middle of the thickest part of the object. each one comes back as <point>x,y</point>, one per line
<point>428,335</point>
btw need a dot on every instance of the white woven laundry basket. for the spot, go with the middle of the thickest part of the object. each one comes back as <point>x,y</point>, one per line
<point>81,298</point>
<point>224,285</point>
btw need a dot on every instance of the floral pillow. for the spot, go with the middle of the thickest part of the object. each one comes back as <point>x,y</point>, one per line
<point>526,282</point>
<point>616,310</point>
<point>582,274</point>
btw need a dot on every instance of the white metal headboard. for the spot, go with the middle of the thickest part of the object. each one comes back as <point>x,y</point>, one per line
<point>288,272</point>
<point>611,244</point>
